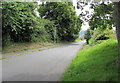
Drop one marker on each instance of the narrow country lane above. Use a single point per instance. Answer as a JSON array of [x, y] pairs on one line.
[[47, 65]]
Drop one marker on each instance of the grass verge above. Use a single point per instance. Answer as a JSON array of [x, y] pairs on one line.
[[18, 47], [97, 63], [1, 58], [77, 40]]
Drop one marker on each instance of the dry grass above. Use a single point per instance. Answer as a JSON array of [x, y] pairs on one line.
[[18, 47]]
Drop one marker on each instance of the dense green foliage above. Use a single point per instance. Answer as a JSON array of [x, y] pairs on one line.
[[18, 21], [98, 36], [102, 17], [87, 35], [101, 24], [99, 61], [95, 64], [20, 24], [43, 30], [63, 14]]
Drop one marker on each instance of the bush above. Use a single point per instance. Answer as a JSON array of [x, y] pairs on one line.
[[43, 30], [99, 36], [88, 35]]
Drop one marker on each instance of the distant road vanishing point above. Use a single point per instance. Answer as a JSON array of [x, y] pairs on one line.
[[47, 65]]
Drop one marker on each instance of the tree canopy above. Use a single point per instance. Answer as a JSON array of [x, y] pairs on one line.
[[57, 21], [102, 17], [102, 23], [20, 23], [63, 14]]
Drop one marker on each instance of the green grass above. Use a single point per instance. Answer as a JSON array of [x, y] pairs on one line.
[[78, 39], [1, 58], [97, 63]]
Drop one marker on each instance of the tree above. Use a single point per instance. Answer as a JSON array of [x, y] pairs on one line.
[[21, 24], [117, 21], [102, 22], [18, 21], [102, 17], [43, 30], [87, 35], [63, 14]]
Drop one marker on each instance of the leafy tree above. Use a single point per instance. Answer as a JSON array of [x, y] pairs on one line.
[[18, 21], [63, 14], [102, 17], [102, 22], [20, 24], [44, 30], [87, 35]]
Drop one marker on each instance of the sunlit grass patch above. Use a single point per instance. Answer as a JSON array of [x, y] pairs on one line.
[[77, 40], [97, 63], [1, 58]]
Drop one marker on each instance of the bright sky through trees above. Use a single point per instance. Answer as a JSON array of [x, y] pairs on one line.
[[85, 26]]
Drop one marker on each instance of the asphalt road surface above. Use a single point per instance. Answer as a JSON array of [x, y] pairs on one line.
[[47, 65]]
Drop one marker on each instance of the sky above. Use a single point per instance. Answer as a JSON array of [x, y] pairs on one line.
[[85, 26]]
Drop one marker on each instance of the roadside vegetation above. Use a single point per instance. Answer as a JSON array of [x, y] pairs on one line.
[[22, 26], [97, 63], [20, 47], [79, 39], [25, 25], [98, 59]]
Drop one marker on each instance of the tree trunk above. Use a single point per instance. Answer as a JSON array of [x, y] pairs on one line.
[[117, 21]]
